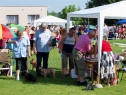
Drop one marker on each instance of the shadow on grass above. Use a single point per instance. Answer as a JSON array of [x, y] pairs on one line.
[[7, 77], [50, 80]]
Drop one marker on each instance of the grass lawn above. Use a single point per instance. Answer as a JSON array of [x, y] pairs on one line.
[[58, 86]]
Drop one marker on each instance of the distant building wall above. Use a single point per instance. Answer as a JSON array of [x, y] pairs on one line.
[[22, 12]]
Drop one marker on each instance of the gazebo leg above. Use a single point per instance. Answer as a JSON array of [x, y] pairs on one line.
[[10, 70]]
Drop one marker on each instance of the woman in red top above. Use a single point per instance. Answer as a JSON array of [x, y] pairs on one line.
[[107, 60]]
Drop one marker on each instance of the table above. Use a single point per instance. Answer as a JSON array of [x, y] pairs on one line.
[[92, 63]]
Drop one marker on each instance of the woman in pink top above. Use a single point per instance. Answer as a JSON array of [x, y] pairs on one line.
[[58, 37]]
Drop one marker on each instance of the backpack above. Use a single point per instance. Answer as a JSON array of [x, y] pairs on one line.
[[5, 72]]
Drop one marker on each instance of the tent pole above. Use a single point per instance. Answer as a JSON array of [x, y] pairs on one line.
[[68, 22], [100, 37]]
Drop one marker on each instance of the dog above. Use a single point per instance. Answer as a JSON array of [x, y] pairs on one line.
[[29, 77], [47, 71], [34, 63]]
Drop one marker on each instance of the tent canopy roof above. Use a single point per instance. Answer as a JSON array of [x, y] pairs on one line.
[[51, 19], [110, 11], [121, 21]]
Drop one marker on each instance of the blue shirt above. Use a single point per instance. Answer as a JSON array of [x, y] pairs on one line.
[[20, 49], [87, 30], [42, 40]]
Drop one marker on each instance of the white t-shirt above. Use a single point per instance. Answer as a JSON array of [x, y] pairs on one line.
[[25, 35], [105, 30]]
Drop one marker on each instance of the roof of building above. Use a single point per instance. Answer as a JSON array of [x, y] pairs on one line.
[[23, 6]]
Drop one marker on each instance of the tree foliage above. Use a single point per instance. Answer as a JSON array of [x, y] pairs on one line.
[[53, 13], [95, 3], [71, 8]]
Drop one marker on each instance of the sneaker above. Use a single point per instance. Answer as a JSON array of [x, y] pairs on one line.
[[17, 79], [78, 83], [83, 83]]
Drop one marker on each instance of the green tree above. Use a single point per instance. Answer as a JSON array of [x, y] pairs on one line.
[[53, 13], [71, 8], [95, 3], [63, 13]]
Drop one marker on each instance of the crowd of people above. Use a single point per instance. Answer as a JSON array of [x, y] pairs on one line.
[[115, 31], [74, 44]]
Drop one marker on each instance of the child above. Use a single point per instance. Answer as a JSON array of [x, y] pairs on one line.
[[92, 55], [92, 51]]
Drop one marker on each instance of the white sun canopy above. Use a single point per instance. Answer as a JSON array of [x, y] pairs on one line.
[[110, 11], [51, 20]]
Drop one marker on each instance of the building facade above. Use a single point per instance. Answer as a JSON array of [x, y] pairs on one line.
[[23, 15]]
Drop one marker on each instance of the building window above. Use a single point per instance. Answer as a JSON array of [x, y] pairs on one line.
[[12, 19], [31, 18]]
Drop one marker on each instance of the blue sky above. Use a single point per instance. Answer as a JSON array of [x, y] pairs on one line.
[[56, 5]]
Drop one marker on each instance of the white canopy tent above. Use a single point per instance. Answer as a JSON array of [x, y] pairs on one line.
[[51, 20], [110, 11]]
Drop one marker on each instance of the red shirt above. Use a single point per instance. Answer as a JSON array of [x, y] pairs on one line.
[[106, 46], [31, 36]]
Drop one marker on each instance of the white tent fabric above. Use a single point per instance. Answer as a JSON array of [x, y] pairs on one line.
[[110, 11], [51, 20]]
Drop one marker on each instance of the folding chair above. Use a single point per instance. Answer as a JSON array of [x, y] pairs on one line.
[[116, 65], [5, 58], [123, 69]]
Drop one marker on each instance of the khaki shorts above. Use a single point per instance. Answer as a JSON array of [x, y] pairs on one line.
[[79, 62]]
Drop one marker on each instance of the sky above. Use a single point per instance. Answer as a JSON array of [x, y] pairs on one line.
[[56, 5]]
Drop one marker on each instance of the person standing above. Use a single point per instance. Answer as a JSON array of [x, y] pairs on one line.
[[66, 46], [82, 47], [32, 32], [107, 61], [21, 49], [80, 31], [105, 32], [42, 42]]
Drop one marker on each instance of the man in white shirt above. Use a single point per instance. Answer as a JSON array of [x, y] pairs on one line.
[[105, 32]]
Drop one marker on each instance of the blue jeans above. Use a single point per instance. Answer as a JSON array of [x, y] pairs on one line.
[[39, 56]]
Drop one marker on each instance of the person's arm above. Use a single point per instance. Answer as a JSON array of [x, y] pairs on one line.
[[61, 42], [50, 39], [29, 52], [12, 41], [34, 44], [34, 47], [76, 38]]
